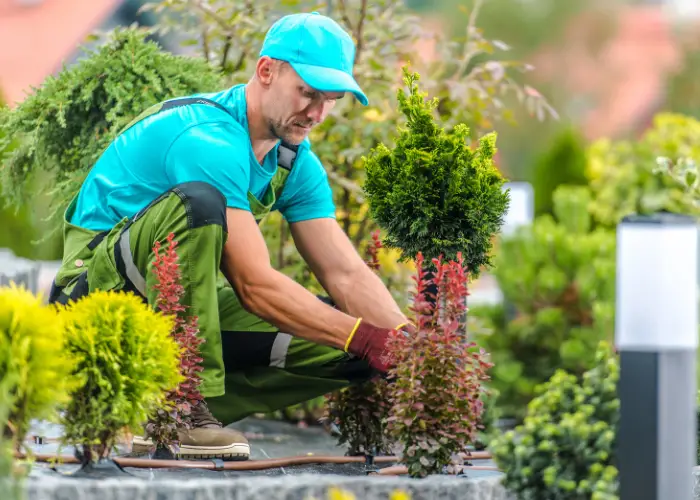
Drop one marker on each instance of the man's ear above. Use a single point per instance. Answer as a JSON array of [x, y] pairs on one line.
[[265, 70]]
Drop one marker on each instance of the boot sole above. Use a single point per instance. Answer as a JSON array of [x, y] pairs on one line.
[[235, 451]]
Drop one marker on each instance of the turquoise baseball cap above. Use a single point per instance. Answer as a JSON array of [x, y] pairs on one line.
[[318, 48]]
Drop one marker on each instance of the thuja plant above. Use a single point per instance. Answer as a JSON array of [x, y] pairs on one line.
[[63, 126], [126, 361], [35, 371], [176, 412], [437, 375], [432, 192], [360, 410]]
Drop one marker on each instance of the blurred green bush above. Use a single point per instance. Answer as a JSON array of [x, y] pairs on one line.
[[557, 278], [65, 124], [563, 163], [622, 173], [566, 446]]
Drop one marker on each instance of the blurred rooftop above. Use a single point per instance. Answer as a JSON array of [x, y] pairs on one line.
[[617, 85], [37, 36]]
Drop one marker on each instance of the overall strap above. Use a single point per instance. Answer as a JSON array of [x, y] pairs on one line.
[[286, 153]]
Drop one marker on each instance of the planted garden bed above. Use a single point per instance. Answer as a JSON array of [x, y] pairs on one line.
[[268, 439]]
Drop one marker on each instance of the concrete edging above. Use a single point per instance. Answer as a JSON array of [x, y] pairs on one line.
[[292, 487]]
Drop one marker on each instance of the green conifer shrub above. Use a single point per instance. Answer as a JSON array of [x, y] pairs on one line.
[[126, 362], [35, 371], [432, 192], [566, 446], [555, 276], [66, 123], [35, 378]]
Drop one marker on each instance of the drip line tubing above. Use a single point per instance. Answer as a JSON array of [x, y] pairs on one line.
[[218, 464], [398, 470]]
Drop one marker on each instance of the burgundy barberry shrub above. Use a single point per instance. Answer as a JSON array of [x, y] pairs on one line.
[[359, 411], [437, 375], [162, 428]]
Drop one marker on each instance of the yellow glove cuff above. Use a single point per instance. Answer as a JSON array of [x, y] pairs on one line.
[[352, 333]]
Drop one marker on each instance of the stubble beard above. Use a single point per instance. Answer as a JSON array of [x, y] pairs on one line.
[[284, 133]]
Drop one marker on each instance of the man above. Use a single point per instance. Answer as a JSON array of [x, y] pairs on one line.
[[208, 168]]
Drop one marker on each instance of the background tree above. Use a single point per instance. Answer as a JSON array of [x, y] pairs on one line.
[[387, 34]]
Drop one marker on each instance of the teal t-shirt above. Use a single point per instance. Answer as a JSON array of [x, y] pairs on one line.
[[196, 143]]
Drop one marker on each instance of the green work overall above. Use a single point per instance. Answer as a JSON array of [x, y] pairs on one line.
[[249, 365]]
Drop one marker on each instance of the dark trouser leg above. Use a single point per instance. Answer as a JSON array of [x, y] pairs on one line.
[[267, 370]]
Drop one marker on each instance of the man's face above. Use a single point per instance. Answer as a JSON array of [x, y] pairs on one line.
[[292, 108]]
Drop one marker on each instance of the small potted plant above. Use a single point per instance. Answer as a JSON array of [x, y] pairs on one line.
[[436, 393], [126, 361], [440, 201]]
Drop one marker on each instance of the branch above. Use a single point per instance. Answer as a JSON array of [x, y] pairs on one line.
[[240, 62], [226, 49], [359, 32], [205, 44], [348, 185], [471, 25], [344, 15], [202, 6]]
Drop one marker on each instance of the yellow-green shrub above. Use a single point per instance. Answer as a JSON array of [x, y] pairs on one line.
[[126, 362], [34, 370], [623, 174]]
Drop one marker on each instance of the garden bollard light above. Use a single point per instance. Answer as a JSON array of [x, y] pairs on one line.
[[656, 333], [521, 210]]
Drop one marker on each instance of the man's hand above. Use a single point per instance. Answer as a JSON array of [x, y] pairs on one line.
[[368, 342]]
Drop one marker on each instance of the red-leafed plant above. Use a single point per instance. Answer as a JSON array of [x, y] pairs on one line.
[[162, 429], [360, 410], [437, 375]]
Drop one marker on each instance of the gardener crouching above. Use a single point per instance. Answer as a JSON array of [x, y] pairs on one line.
[[208, 168]]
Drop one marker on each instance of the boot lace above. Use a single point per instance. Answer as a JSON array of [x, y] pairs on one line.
[[202, 417]]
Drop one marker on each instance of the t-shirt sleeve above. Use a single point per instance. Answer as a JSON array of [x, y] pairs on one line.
[[215, 153], [307, 194]]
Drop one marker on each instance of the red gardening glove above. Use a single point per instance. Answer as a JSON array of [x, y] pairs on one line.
[[369, 343]]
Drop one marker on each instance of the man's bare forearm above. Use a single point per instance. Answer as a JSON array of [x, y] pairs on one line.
[[289, 306], [363, 294]]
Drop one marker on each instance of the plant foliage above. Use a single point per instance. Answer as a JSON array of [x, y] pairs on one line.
[[564, 163], [437, 375], [126, 362], [623, 174], [387, 34], [35, 372], [558, 299], [66, 123], [566, 446], [432, 192], [176, 413], [360, 410]]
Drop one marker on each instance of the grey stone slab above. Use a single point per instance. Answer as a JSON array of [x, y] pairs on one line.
[[301, 487]]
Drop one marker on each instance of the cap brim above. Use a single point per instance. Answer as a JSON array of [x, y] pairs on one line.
[[329, 80]]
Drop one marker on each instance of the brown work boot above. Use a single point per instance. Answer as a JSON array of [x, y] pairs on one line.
[[206, 439]]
